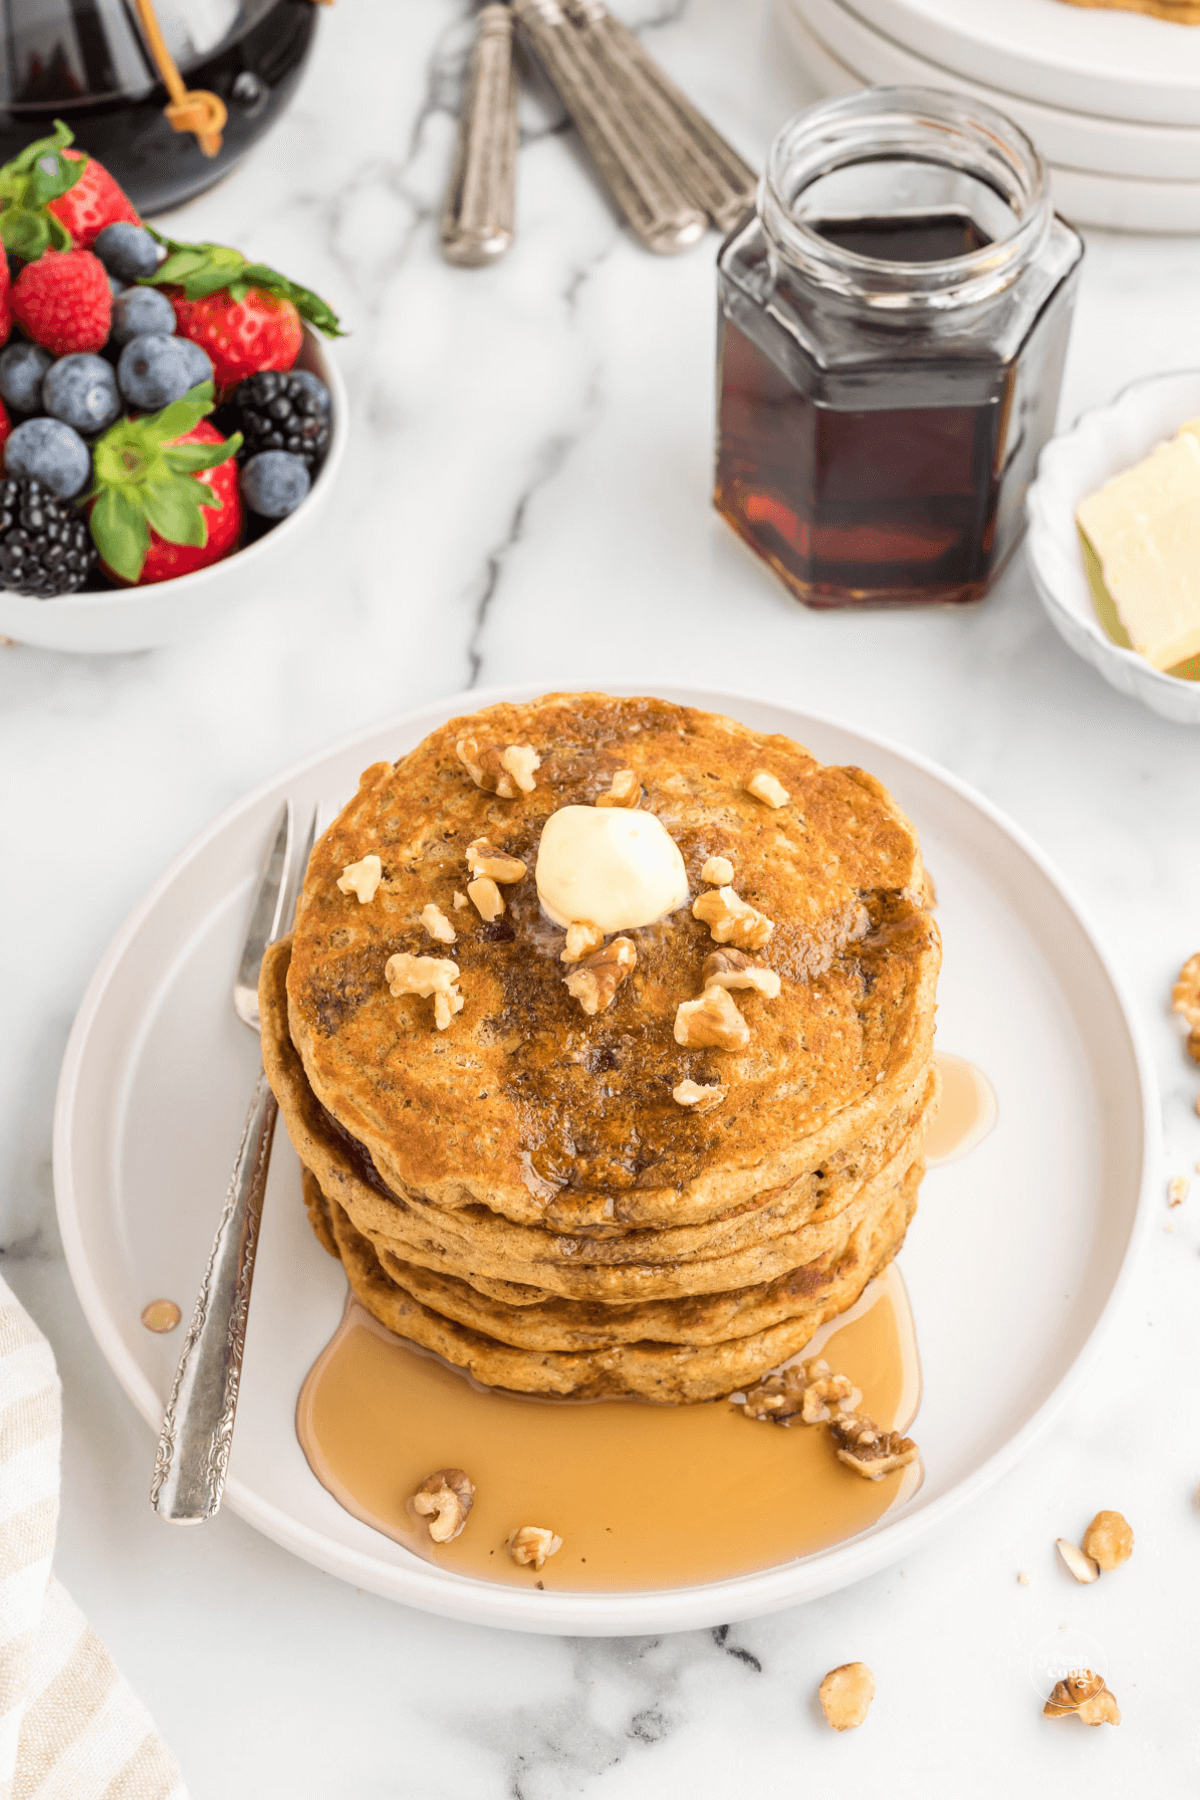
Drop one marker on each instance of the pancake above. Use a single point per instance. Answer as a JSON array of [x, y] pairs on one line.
[[549, 1118]]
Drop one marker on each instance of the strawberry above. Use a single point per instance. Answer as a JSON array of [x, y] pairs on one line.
[[245, 316], [63, 301], [93, 202], [164, 494], [5, 427], [5, 300]]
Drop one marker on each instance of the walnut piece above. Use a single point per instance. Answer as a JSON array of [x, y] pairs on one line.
[[362, 878], [626, 790], [1108, 1540], [700, 1098], [711, 1022], [718, 870], [437, 924], [460, 900], [486, 897], [582, 938], [821, 1397], [846, 1694], [1177, 1190], [1083, 1693], [1185, 1000], [765, 787], [531, 1545], [444, 1498], [732, 920], [426, 975], [1082, 1567], [596, 979], [734, 969], [781, 1396], [499, 772], [484, 859], [863, 1447]]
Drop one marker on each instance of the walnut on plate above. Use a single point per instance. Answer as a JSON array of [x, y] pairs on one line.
[[595, 980], [362, 878], [734, 969], [846, 1695], [499, 771], [781, 1396], [1082, 1567], [582, 938], [863, 1447], [531, 1545], [821, 1397], [625, 790], [444, 1498], [437, 924], [732, 920], [425, 976], [484, 859], [1083, 1694], [712, 1022], [1108, 1540], [697, 1096]]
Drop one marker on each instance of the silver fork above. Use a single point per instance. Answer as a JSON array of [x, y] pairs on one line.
[[192, 1459]]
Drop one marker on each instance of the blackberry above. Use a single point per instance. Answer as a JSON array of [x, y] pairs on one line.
[[45, 545], [284, 412]]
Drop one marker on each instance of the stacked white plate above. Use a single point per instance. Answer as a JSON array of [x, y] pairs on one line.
[[1111, 99]]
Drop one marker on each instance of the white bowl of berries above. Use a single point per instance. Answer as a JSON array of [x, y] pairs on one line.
[[171, 420]]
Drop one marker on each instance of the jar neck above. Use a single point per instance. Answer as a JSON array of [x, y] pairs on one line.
[[892, 154]]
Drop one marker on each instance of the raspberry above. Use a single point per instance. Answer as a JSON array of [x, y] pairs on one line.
[[63, 302]]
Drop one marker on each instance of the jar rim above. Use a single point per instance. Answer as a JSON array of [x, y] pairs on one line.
[[918, 122]]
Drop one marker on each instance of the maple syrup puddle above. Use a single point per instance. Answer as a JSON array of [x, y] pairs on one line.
[[643, 1496]]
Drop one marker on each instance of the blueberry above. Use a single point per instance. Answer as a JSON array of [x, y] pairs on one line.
[[274, 483], [196, 362], [315, 386], [126, 251], [115, 287], [139, 312], [153, 371], [82, 392], [50, 452], [22, 367]]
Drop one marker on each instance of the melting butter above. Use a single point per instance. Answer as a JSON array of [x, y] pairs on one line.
[[610, 866]]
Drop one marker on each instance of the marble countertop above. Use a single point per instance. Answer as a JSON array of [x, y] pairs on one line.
[[526, 497]]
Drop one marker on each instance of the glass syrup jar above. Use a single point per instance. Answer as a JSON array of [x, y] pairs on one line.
[[893, 324]]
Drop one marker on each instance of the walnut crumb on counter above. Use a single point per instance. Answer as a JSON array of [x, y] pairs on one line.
[[1108, 1540], [846, 1695], [444, 1498], [1177, 1190], [1083, 1694], [362, 878], [1081, 1567]]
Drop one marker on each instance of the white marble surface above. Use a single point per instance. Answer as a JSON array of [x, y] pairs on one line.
[[527, 497]]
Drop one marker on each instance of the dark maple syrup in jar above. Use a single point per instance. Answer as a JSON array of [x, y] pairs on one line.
[[889, 373]]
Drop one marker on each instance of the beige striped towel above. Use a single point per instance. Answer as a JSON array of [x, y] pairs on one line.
[[71, 1727]]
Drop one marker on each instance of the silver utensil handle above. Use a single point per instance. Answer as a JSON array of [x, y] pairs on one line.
[[706, 164], [657, 208], [478, 220], [192, 1459]]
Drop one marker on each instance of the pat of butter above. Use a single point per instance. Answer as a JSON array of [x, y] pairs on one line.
[[1144, 528], [612, 867]]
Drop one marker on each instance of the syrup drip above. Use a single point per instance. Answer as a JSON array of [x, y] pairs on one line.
[[967, 1113]]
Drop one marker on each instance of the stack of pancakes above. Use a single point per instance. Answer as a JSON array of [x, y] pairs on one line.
[[521, 1192]]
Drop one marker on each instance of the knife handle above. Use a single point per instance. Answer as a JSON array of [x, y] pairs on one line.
[[706, 165], [192, 1458], [657, 208], [478, 219]]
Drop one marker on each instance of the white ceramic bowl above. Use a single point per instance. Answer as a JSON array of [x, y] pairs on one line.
[[1074, 465], [141, 618]]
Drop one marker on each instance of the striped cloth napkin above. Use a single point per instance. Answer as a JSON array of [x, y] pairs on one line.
[[71, 1727]]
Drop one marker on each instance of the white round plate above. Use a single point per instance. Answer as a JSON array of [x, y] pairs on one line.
[[1114, 64], [1114, 202], [158, 1072], [1073, 465]]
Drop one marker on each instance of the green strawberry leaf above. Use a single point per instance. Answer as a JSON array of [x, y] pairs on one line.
[[186, 458], [204, 269], [39, 174], [182, 416], [173, 509], [120, 532], [143, 480]]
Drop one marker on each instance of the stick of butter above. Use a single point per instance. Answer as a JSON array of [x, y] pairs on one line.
[[1144, 530]]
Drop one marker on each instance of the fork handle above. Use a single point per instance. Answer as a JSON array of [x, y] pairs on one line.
[[192, 1459], [477, 223]]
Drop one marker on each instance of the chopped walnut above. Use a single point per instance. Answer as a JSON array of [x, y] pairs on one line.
[[437, 924], [732, 920], [1177, 1190], [582, 938], [711, 1022], [531, 1545], [700, 1098], [444, 1498], [486, 897], [362, 878], [1083, 1693], [596, 979], [426, 975], [1108, 1540], [820, 1398], [484, 859], [765, 787], [460, 900], [846, 1694], [1185, 1000], [1082, 1567], [718, 870], [781, 1396], [863, 1447], [626, 790], [499, 772], [734, 969]]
